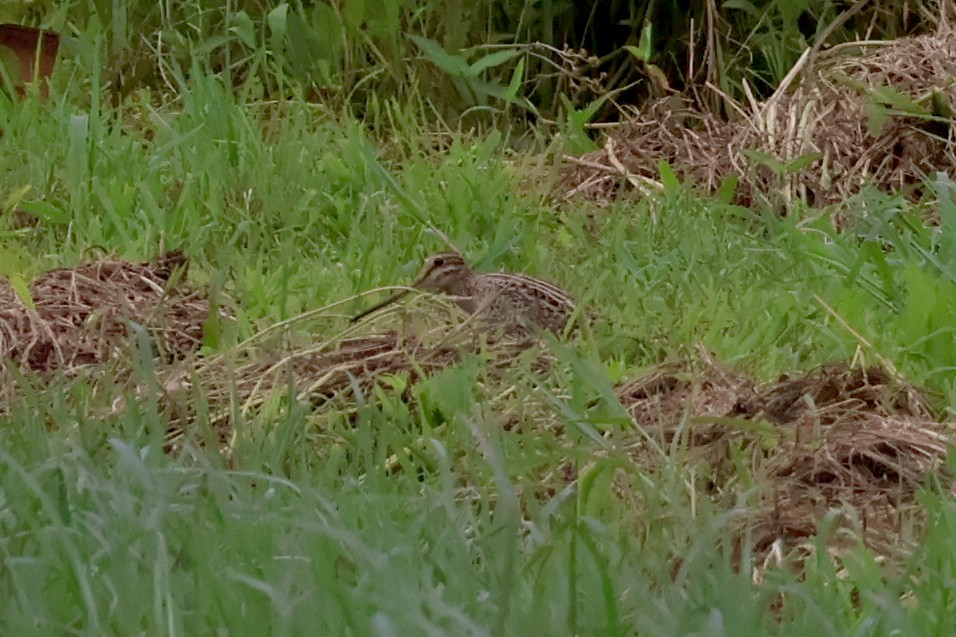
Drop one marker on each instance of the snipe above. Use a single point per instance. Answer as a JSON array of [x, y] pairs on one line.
[[515, 301]]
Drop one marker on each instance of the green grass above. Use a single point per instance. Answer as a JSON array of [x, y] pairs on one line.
[[429, 518]]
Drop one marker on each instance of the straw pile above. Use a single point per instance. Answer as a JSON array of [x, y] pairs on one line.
[[343, 371], [81, 316], [875, 113], [849, 444]]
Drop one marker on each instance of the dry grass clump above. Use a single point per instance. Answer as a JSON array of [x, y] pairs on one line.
[[83, 316], [835, 390], [848, 445], [862, 113], [661, 398], [343, 371], [859, 446], [864, 469], [697, 404]]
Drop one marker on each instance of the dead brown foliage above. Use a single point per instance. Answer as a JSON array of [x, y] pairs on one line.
[[849, 445], [83, 316], [864, 113]]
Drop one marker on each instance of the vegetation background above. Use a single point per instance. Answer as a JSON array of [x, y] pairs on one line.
[[299, 152]]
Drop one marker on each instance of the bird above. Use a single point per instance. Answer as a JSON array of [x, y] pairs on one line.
[[517, 302]]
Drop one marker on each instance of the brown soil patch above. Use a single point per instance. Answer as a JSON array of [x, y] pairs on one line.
[[877, 113], [83, 316], [841, 448]]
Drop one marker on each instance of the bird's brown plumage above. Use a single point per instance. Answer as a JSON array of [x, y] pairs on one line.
[[516, 301]]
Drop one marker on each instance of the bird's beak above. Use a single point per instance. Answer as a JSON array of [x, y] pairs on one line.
[[395, 297]]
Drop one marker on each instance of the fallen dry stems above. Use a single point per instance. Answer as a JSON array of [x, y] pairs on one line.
[[874, 114], [851, 445]]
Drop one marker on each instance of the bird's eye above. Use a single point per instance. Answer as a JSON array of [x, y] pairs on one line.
[[439, 262]]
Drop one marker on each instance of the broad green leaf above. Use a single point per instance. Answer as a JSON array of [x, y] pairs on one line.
[[741, 5], [448, 62], [516, 78], [385, 19], [635, 51], [211, 44], [78, 154], [596, 480], [13, 200], [876, 117], [409, 205], [946, 194], [490, 89], [301, 53], [22, 289], [589, 111], [727, 190], [46, 211], [490, 61], [764, 159], [325, 28], [277, 21], [355, 12], [790, 12], [669, 178], [243, 27], [11, 261], [847, 80], [894, 98], [797, 164], [643, 50], [212, 326], [573, 125], [920, 302], [79, 129], [397, 382], [940, 106]]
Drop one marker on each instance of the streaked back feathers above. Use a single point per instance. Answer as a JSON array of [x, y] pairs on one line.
[[516, 301]]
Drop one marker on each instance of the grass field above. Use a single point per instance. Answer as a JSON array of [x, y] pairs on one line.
[[431, 517]]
